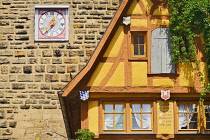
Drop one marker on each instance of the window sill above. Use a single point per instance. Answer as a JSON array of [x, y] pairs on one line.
[[138, 59], [165, 74], [120, 133]]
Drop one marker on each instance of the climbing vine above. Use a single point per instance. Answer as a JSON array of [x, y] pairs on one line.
[[189, 19]]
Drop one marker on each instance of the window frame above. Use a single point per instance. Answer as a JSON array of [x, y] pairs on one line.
[[131, 56], [178, 130], [151, 119], [127, 117], [103, 118], [207, 103]]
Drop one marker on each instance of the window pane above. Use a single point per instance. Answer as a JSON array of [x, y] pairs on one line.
[[193, 121], [119, 121], [136, 121], [207, 116], [141, 39], [146, 107], [119, 107], [146, 118], [182, 121], [136, 48], [182, 108], [108, 108], [141, 49], [135, 107], [192, 108], [108, 121], [136, 39]]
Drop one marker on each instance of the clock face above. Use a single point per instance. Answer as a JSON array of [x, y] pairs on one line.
[[51, 23]]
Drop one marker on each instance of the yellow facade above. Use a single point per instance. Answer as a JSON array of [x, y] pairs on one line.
[[92, 116]]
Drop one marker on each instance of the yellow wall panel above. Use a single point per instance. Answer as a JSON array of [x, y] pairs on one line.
[[117, 79], [147, 4], [139, 74], [163, 83], [134, 9], [203, 69], [99, 74], [159, 22], [186, 77], [161, 11], [138, 23], [115, 44], [93, 116]]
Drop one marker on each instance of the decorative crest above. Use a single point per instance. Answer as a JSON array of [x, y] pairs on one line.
[[84, 95], [126, 20], [165, 94]]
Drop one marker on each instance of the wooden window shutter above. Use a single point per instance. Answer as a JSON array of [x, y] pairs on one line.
[[161, 52]]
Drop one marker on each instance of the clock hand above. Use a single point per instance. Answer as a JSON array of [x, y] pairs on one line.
[[52, 23]]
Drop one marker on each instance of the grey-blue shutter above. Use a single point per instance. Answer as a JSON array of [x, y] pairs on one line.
[[161, 52]]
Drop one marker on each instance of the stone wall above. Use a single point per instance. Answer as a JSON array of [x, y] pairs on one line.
[[31, 73]]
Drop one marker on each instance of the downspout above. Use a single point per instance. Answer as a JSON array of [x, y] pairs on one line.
[[64, 113]]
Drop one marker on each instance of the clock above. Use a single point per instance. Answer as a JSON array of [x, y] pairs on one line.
[[51, 23]]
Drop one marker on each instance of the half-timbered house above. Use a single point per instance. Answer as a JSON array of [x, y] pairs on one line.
[[130, 89]]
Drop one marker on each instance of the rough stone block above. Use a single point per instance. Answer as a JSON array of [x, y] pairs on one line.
[[32, 86], [6, 53], [17, 101], [4, 69], [38, 78], [4, 101], [61, 69], [37, 96], [45, 87], [25, 78], [71, 60], [50, 107], [58, 86], [18, 86], [40, 68], [57, 61], [33, 61], [24, 106], [19, 53], [12, 124], [16, 69], [30, 101], [21, 96], [72, 68], [12, 78], [3, 78], [45, 60], [27, 69], [36, 106], [19, 61], [44, 101], [51, 69], [65, 78], [47, 53], [4, 45], [4, 61], [31, 53], [3, 124]]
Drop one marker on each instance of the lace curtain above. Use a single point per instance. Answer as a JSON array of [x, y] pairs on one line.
[[183, 116], [114, 121], [136, 118]]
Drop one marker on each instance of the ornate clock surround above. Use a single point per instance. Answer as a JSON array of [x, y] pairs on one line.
[[51, 23]]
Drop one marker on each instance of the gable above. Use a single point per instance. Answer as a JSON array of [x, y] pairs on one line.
[[125, 63]]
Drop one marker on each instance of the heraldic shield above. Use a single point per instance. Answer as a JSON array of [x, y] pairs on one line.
[[165, 94]]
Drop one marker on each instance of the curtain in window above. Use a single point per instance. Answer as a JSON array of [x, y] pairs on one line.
[[146, 117], [208, 109], [119, 117], [182, 116], [136, 116], [193, 116], [108, 121]]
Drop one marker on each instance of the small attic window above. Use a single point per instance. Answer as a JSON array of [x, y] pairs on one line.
[[138, 45]]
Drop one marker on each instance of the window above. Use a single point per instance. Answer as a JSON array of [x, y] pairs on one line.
[[138, 48], [207, 110], [161, 52], [187, 116], [141, 116], [127, 117], [114, 116]]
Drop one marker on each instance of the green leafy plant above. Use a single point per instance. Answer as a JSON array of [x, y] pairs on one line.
[[84, 134], [189, 19]]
